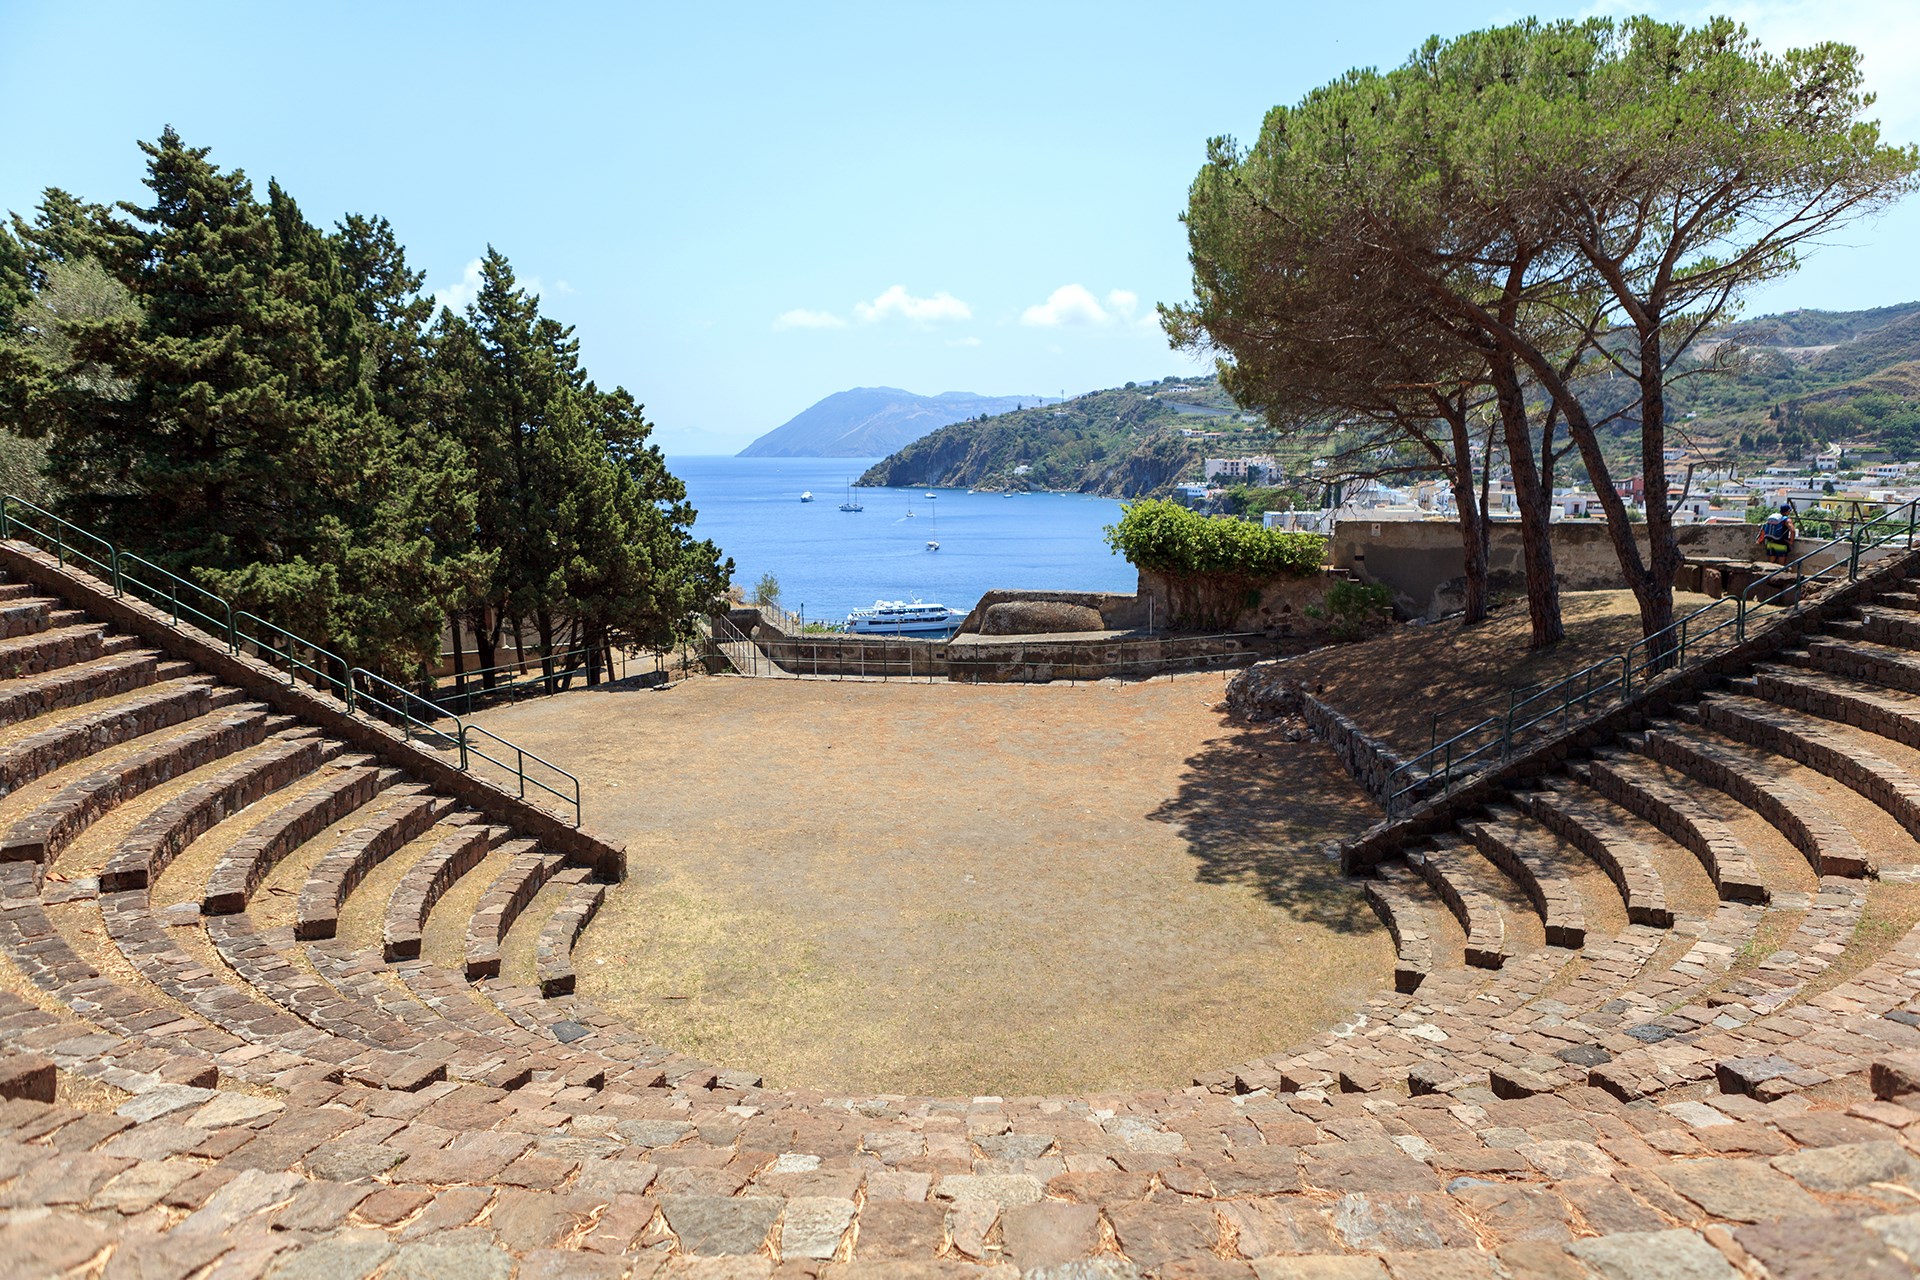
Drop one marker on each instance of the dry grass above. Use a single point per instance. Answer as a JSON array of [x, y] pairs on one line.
[[1393, 685], [963, 889]]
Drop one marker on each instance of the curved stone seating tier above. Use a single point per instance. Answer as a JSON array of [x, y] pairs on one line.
[[1763, 787], [44, 833], [553, 952], [1884, 665], [1527, 855], [1587, 826], [1393, 899], [358, 851], [247, 861], [1449, 871], [30, 752], [161, 836], [53, 650], [76, 685], [420, 888], [501, 905], [1640, 791]]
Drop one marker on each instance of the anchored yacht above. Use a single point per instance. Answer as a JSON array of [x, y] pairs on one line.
[[901, 618]]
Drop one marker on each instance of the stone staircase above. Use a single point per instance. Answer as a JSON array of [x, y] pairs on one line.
[[277, 1002]]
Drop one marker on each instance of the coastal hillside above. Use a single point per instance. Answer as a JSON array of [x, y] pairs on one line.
[[869, 421], [1769, 386], [1129, 442]]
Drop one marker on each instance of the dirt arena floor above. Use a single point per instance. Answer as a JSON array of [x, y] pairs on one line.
[[963, 889]]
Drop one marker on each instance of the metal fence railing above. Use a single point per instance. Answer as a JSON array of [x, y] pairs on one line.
[[1538, 711], [301, 661]]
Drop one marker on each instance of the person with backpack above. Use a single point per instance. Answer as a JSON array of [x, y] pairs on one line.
[[1777, 535]]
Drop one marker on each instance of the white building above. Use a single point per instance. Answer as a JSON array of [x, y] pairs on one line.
[[1268, 468]]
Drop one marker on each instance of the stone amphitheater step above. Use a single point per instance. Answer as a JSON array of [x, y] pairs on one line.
[[1895, 627], [1581, 818], [265, 959], [1394, 899], [1846, 755], [1529, 856], [25, 697], [1450, 870], [1877, 664], [1686, 1046], [247, 861], [501, 905], [53, 650], [413, 899], [28, 615], [1762, 785], [1621, 778], [553, 948], [344, 866], [34, 748], [164, 833], [46, 831]]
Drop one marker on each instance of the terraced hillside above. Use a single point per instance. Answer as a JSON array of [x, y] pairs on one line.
[[1660, 1019]]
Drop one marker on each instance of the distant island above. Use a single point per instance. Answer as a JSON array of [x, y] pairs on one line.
[[867, 422], [1128, 442]]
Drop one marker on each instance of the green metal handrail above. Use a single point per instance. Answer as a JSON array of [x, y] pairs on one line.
[[240, 631], [1445, 763]]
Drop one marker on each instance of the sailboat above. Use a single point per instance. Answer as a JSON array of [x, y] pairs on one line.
[[850, 504], [934, 516]]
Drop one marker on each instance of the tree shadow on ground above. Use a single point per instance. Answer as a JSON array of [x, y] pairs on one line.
[[1257, 809]]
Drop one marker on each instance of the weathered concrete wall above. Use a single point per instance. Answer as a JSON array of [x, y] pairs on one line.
[[1422, 562]]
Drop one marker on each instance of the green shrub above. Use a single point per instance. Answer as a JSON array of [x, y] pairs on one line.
[[1165, 537], [1214, 566]]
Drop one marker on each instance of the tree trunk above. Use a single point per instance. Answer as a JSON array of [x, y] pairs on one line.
[[1473, 527], [1654, 590], [459, 664], [486, 646], [1543, 585]]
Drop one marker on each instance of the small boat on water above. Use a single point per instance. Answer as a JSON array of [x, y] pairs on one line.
[[901, 618], [806, 495], [852, 503]]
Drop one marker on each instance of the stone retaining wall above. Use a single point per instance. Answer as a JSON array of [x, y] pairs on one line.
[[1369, 760]]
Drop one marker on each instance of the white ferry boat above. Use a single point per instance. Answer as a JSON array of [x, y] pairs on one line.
[[900, 618]]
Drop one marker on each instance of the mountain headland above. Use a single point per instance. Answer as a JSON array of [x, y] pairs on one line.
[[1761, 389], [866, 422]]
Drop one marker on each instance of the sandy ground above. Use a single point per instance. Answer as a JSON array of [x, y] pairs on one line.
[[959, 889]]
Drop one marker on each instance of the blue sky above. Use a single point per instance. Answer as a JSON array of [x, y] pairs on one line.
[[746, 208]]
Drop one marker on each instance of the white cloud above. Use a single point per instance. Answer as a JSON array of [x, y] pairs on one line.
[[801, 318], [455, 297], [1075, 304], [896, 301], [458, 296]]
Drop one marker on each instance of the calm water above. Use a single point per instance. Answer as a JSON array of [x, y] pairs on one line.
[[831, 561]]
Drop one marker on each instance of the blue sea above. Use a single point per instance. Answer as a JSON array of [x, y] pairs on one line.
[[831, 561]]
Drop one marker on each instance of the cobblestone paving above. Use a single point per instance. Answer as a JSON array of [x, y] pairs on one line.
[[1687, 1098]]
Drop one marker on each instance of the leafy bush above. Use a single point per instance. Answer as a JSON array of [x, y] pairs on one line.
[[1165, 537], [1350, 606], [1214, 566], [767, 590]]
